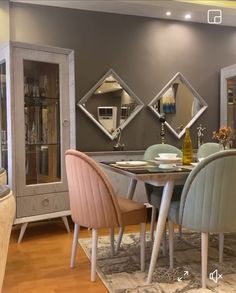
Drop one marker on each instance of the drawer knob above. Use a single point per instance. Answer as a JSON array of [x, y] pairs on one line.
[[45, 202], [66, 122]]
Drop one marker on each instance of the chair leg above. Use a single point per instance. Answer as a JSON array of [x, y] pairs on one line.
[[204, 258], [221, 247], [153, 221], [142, 245], [121, 232], [74, 245], [94, 254], [112, 241], [171, 243], [164, 242]]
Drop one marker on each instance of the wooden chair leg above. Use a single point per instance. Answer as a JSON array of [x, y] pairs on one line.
[[121, 232], [74, 245], [94, 254], [112, 241], [204, 258], [221, 247], [142, 245], [171, 243], [153, 221]]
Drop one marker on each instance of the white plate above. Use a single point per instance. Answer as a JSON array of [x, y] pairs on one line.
[[167, 166], [168, 161], [131, 163]]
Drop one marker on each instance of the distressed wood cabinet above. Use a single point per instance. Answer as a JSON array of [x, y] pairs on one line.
[[228, 100], [37, 126]]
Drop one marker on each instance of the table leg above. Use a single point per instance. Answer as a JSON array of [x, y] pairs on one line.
[[131, 190], [163, 213]]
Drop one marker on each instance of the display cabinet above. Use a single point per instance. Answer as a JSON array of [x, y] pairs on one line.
[[37, 126], [228, 100]]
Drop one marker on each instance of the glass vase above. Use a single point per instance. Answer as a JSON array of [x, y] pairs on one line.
[[224, 144]]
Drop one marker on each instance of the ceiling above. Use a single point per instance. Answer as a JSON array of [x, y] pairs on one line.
[[156, 9]]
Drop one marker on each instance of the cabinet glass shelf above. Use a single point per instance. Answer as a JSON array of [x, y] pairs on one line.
[[40, 101], [42, 144]]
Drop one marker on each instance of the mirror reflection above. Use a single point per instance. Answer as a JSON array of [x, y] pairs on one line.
[[180, 103], [111, 104]]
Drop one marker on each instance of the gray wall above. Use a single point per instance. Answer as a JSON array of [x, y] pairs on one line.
[[144, 52]]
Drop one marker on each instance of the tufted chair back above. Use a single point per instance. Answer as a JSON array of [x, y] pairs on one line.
[[208, 200], [208, 149], [154, 193], [153, 151], [92, 199]]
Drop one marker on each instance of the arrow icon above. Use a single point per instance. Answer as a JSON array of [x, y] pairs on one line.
[[186, 273]]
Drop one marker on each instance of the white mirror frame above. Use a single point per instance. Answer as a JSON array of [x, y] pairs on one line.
[[189, 86], [125, 87]]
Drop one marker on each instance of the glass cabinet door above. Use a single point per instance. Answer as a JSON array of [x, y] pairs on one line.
[[231, 107], [3, 115], [42, 122]]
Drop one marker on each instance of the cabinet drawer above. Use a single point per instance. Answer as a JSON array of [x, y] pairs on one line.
[[42, 204]]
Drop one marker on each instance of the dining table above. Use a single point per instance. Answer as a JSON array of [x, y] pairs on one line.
[[155, 174]]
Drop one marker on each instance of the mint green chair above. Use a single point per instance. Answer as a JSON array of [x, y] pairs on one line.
[[154, 193], [208, 149], [208, 202], [204, 151]]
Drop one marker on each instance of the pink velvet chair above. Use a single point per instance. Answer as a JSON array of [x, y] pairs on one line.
[[94, 204]]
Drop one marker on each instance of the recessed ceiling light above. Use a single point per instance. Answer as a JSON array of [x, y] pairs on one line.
[[187, 16], [168, 13]]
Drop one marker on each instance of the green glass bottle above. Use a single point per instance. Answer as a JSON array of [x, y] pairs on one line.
[[187, 148]]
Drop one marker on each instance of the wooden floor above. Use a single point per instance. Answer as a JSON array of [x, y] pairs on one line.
[[40, 264]]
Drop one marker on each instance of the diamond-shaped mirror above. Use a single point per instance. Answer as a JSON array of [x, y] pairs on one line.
[[180, 103], [110, 104]]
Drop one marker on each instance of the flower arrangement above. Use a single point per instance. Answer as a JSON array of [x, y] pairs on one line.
[[223, 135]]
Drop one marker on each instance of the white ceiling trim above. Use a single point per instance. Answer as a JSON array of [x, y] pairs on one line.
[[154, 9]]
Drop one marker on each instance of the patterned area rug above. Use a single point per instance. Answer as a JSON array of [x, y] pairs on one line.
[[121, 273]]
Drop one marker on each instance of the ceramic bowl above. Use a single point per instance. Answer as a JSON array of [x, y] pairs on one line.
[[169, 156]]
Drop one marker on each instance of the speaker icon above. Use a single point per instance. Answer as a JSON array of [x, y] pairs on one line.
[[215, 276]]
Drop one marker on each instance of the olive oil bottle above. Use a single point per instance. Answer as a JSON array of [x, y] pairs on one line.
[[187, 148]]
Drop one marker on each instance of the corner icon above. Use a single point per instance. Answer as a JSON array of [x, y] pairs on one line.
[[215, 276], [214, 16]]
